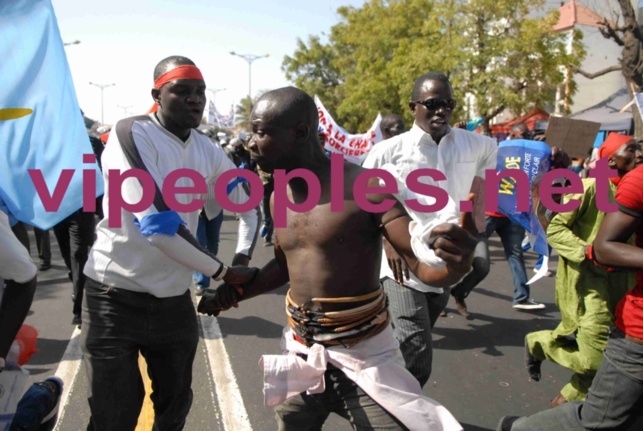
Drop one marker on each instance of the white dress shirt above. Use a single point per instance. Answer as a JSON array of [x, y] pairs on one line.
[[460, 156]]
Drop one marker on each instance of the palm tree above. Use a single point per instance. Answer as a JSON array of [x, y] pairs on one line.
[[242, 113]]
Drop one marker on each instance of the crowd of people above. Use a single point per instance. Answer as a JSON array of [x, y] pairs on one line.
[[369, 329]]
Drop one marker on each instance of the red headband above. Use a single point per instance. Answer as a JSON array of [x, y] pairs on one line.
[[186, 71]]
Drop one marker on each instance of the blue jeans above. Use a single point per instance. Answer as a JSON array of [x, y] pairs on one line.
[[511, 235], [343, 397], [413, 314], [207, 233], [268, 188], [118, 325], [614, 401]]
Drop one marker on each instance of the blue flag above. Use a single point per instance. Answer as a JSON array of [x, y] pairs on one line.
[[534, 159], [41, 125]]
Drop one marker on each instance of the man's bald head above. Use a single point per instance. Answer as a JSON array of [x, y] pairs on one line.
[[290, 106], [170, 63], [391, 125], [284, 130]]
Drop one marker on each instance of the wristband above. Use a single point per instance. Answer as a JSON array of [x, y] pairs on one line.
[[592, 258], [218, 276]]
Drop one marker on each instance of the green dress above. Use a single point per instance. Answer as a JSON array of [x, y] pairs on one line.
[[585, 294]]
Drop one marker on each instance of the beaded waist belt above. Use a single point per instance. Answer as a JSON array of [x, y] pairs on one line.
[[335, 328]]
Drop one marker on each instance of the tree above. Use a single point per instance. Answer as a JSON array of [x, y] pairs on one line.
[[312, 69], [511, 61], [242, 113], [493, 51], [625, 32]]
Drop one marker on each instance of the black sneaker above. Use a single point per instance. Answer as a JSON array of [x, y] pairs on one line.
[[38, 407], [45, 266], [528, 304], [532, 363], [506, 423]]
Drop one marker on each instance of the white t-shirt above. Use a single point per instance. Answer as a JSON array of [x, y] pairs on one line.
[[460, 156], [160, 265]]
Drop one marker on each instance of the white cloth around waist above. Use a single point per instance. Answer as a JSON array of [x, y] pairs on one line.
[[375, 365]]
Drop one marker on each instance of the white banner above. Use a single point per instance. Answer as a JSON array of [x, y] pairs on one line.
[[353, 147], [213, 118], [218, 120]]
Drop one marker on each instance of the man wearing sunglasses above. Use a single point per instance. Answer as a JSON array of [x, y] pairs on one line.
[[463, 157]]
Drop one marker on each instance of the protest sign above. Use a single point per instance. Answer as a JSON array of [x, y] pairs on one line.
[[534, 159], [353, 147], [575, 137], [41, 124]]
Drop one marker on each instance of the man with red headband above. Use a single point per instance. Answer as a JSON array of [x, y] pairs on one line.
[[614, 399], [585, 293], [137, 298]]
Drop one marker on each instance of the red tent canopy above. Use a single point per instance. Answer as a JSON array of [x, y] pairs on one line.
[[529, 119]]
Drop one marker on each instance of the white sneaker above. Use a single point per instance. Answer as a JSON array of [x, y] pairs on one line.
[[548, 274], [528, 304]]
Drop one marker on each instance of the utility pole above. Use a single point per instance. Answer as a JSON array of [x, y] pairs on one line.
[[249, 58], [214, 91], [102, 106], [125, 108]]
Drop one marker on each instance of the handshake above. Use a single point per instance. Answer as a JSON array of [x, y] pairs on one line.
[[228, 294]]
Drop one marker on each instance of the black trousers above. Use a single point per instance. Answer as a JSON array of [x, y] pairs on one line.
[[75, 236]]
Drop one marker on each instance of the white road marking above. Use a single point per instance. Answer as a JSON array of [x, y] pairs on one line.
[[231, 406], [230, 402], [68, 371]]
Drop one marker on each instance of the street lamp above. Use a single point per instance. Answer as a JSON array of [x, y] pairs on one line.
[[214, 91], [102, 106], [125, 109], [249, 58], [76, 42]]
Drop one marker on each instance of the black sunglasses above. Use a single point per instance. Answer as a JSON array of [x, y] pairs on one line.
[[435, 104]]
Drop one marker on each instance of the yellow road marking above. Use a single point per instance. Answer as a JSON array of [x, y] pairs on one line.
[[146, 418], [14, 113]]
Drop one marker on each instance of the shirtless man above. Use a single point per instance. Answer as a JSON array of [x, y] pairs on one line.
[[336, 309]]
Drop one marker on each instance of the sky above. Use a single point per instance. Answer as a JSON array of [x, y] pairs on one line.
[[121, 41]]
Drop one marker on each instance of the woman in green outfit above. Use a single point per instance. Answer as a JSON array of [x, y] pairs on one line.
[[585, 293]]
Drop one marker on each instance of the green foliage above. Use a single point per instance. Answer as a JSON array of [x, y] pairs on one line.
[[494, 52], [242, 113]]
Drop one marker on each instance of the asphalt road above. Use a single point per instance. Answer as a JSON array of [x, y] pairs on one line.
[[478, 368]]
